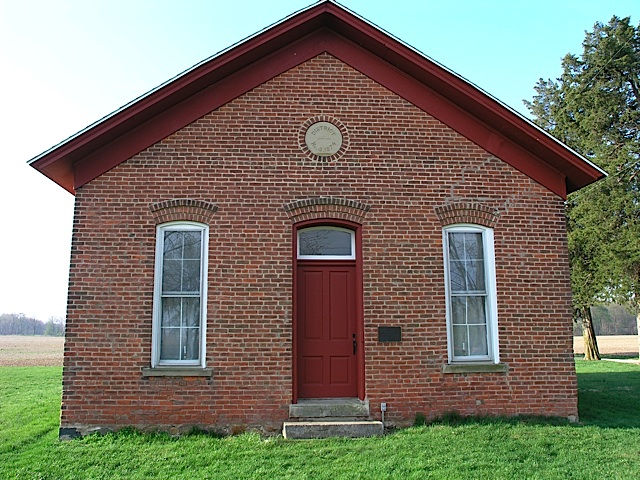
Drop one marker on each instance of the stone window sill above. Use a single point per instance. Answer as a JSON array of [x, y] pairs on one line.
[[177, 372], [475, 368]]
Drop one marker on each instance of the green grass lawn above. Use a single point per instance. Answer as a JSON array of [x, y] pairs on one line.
[[605, 445]]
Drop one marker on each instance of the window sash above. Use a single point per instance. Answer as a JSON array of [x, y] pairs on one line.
[[180, 295], [469, 326]]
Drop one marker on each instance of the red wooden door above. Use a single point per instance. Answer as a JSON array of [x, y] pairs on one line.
[[327, 365]]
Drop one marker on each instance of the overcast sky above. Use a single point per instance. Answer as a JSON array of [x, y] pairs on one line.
[[66, 63]]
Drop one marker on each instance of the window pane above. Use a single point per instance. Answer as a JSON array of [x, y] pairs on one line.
[[460, 343], [458, 310], [190, 343], [191, 311], [325, 241], [192, 245], [457, 263], [171, 312], [475, 275], [478, 340], [476, 311], [172, 245], [190, 276], [171, 275], [456, 246], [473, 246], [170, 344], [457, 276]]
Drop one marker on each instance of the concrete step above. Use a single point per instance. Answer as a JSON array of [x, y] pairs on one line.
[[321, 408], [317, 429]]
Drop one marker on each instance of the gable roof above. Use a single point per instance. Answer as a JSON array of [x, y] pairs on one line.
[[322, 27]]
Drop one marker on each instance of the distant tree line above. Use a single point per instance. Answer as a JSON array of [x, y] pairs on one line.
[[610, 320], [20, 324]]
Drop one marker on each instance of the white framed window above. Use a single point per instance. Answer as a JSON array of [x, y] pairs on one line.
[[179, 304], [326, 243], [470, 285]]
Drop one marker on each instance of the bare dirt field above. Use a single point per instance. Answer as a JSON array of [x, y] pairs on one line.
[[622, 345], [30, 351]]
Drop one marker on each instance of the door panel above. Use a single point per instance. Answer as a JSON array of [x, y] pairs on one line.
[[312, 317], [339, 314], [327, 365], [312, 368], [340, 370]]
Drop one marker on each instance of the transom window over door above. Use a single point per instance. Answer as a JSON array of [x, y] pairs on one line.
[[326, 243], [179, 302], [471, 294]]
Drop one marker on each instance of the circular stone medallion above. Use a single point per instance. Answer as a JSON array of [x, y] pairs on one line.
[[323, 139]]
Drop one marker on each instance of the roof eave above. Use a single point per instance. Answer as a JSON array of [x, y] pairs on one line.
[[58, 162]]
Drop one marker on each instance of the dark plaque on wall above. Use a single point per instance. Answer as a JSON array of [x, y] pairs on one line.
[[389, 334]]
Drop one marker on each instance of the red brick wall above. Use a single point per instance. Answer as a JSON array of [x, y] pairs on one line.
[[245, 159]]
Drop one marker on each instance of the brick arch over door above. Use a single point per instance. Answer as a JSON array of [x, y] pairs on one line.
[[315, 208]]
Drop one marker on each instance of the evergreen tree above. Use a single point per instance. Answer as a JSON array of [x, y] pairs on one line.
[[593, 107]]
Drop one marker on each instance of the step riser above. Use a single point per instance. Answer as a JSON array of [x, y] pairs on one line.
[[329, 419], [310, 430], [329, 409]]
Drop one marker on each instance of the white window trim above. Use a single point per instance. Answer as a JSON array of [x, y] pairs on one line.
[[157, 294], [490, 283], [327, 257]]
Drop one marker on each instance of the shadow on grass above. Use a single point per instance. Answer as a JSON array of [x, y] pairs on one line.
[[594, 411], [455, 419], [610, 399], [633, 357]]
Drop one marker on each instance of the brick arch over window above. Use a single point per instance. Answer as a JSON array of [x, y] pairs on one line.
[[183, 209], [326, 207], [467, 212]]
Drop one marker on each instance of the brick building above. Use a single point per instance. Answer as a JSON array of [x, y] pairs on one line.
[[317, 213]]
